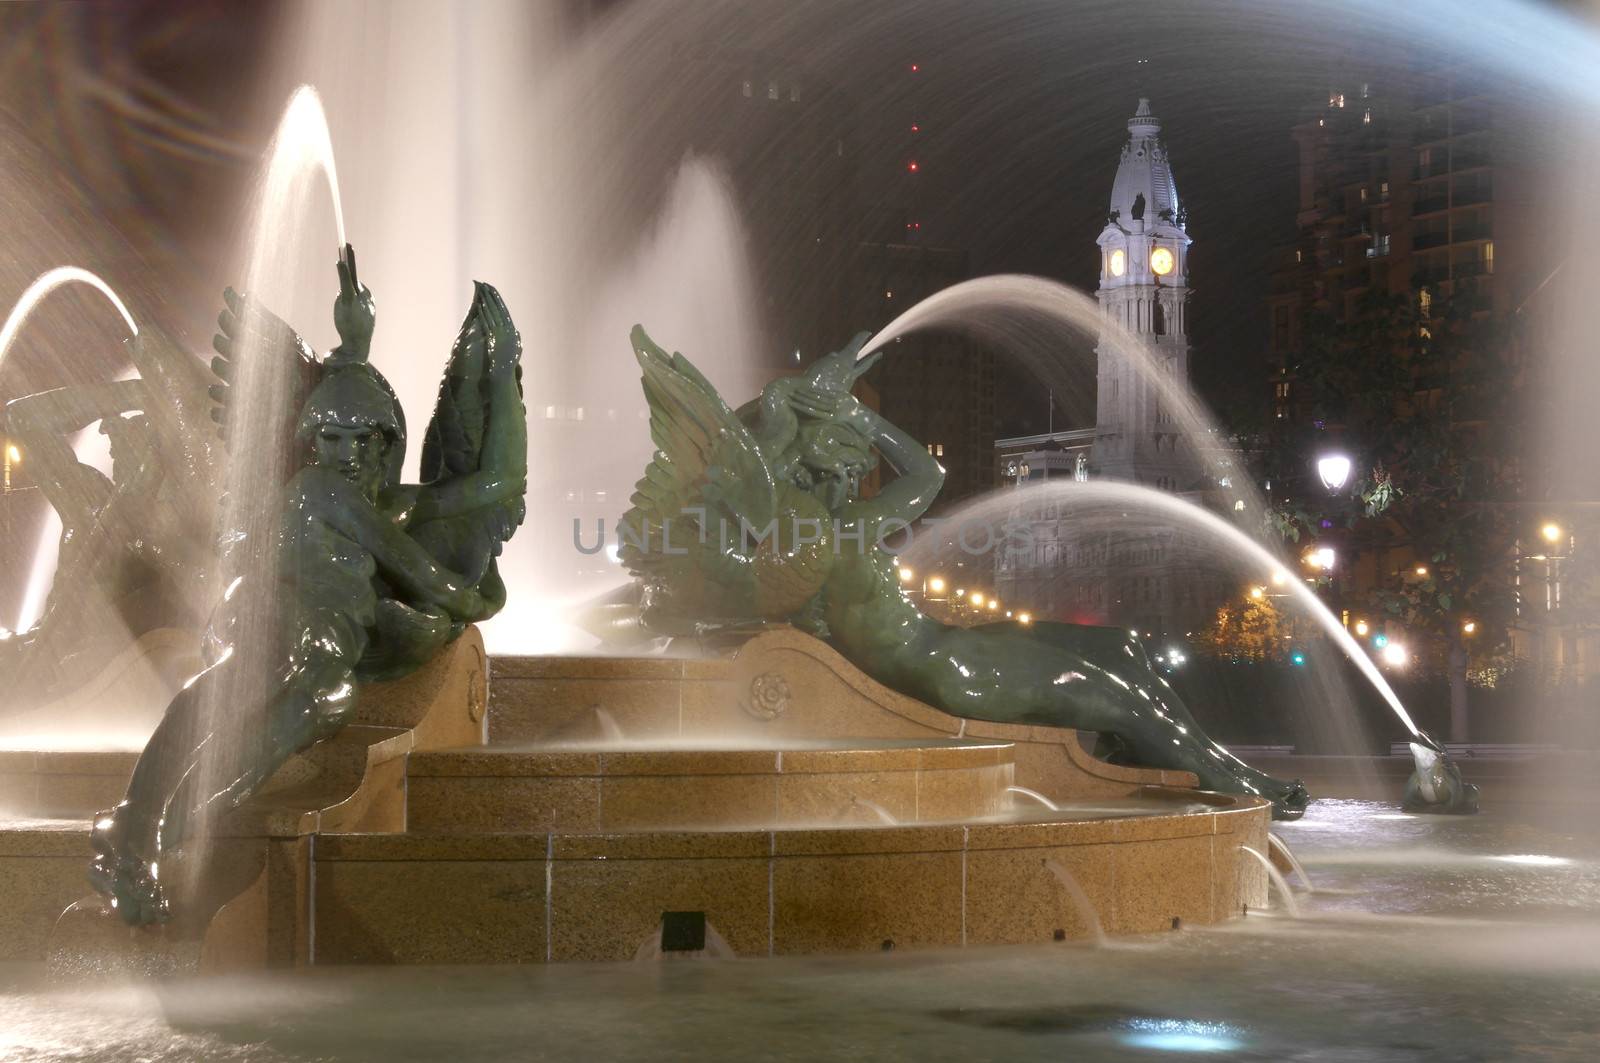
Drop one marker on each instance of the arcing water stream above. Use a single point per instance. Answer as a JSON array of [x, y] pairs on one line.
[[44, 555]]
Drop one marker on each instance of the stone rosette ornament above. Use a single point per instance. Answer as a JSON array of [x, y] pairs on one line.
[[768, 697]]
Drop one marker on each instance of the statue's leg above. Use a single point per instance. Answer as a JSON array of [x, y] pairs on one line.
[[1149, 721], [125, 839], [404, 639], [192, 770]]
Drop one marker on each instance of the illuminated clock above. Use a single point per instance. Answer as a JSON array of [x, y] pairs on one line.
[[1161, 261], [1119, 262]]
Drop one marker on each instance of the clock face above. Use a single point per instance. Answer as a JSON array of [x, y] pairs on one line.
[[1119, 262], [1161, 261]]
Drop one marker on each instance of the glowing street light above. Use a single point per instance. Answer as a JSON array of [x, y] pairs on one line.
[[1551, 532], [936, 585], [906, 575], [1470, 627], [1024, 618], [1361, 627], [1421, 570], [1396, 655], [1334, 470], [994, 604], [977, 597], [1258, 593], [13, 455], [1322, 557]]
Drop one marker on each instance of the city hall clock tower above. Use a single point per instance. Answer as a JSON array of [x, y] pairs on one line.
[[1144, 285]]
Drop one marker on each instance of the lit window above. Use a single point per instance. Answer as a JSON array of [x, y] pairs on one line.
[[1488, 257], [1366, 116], [1363, 193], [1383, 190], [1424, 301], [1366, 89], [747, 88], [1335, 99]]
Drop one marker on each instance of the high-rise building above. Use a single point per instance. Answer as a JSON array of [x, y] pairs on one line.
[[939, 386], [1427, 181], [1421, 184]]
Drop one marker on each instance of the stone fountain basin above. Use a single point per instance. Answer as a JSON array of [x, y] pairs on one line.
[[697, 785]]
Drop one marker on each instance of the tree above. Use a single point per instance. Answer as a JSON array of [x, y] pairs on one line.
[[1428, 406], [1252, 630]]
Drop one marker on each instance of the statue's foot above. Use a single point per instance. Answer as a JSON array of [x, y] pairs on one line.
[[125, 880], [1289, 800], [1289, 797]]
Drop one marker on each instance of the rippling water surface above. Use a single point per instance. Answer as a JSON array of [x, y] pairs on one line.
[[1427, 939]]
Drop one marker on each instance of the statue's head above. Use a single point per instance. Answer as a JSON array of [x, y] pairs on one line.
[[353, 425], [829, 457], [130, 444]]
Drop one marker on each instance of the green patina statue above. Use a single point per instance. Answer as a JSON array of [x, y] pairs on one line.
[[1436, 786], [364, 577], [757, 516], [130, 541]]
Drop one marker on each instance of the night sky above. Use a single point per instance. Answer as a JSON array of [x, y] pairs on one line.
[[1025, 104]]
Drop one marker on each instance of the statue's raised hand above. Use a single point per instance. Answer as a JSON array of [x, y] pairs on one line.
[[503, 341], [354, 313]]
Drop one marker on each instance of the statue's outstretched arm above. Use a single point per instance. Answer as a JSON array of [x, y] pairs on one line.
[[339, 504], [44, 424], [910, 494]]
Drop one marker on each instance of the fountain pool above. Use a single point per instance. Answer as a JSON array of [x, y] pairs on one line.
[[1422, 943]]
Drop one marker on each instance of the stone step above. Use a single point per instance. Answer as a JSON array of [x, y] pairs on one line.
[[668, 787]]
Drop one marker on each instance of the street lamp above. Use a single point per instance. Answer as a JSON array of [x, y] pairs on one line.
[[1334, 470], [1551, 532], [1322, 557], [906, 575]]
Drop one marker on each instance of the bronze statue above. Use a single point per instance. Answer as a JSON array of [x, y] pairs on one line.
[[749, 518], [369, 577], [136, 547]]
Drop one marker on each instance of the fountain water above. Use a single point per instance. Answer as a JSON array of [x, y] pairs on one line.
[[1108, 503], [507, 126], [1080, 901], [44, 555], [609, 730], [1281, 847], [1034, 795], [1276, 876], [882, 814]]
